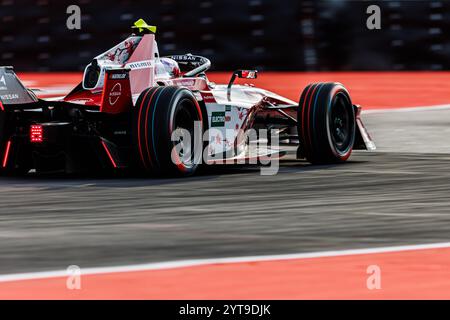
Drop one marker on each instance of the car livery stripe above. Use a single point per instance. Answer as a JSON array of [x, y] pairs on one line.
[[139, 128], [5, 158], [153, 125], [108, 153], [146, 125]]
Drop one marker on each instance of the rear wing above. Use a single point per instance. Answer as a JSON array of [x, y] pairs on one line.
[[114, 82], [137, 54], [12, 90]]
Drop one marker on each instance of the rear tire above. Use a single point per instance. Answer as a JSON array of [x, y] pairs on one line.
[[158, 113], [327, 123]]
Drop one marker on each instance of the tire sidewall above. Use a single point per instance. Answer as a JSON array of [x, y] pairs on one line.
[[175, 105], [316, 104], [337, 89]]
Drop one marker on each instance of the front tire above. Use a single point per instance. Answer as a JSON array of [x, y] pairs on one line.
[[158, 113], [327, 123]]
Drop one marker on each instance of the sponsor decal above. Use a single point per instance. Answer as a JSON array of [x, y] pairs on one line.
[[139, 65], [9, 97], [208, 98], [184, 58], [118, 76], [115, 94], [218, 119], [227, 108], [185, 83]]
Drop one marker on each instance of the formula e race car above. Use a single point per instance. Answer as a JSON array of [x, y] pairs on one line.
[[135, 109]]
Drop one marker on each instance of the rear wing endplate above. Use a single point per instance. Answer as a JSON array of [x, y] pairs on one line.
[[12, 90]]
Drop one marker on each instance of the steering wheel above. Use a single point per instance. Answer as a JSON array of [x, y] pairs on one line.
[[196, 64]]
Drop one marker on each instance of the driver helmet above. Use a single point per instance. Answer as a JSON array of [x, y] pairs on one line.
[[171, 67]]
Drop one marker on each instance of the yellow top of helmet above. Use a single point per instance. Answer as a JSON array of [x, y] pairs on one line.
[[142, 26]]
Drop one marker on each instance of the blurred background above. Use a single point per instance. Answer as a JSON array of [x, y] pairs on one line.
[[265, 34]]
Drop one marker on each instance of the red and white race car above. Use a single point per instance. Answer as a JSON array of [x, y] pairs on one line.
[[136, 109]]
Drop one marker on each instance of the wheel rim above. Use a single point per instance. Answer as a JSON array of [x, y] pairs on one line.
[[185, 116], [342, 124]]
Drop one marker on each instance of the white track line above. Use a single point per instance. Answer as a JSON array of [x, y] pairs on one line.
[[409, 109], [205, 262]]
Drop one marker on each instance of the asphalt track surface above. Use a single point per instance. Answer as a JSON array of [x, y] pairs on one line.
[[377, 199], [398, 195]]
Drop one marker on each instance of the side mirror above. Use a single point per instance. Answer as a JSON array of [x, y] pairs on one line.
[[247, 74], [241, 74]]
